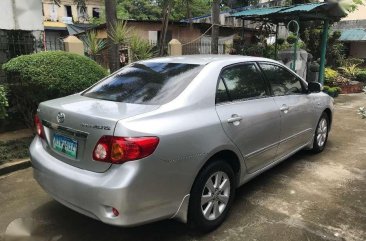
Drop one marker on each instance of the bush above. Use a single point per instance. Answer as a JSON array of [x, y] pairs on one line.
[[140, 48], [291, 39], [330, 75], [3, 102], [47, 75], [280, 41], [332, 91], [361, 76]]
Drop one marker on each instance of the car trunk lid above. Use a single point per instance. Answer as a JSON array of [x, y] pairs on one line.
[[74, 124]]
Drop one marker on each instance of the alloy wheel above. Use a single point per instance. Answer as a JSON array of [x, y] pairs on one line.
[[215, 195], [322, 132]]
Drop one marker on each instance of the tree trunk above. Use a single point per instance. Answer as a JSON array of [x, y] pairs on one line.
[[165, 23], [215, 27], [111, 19]]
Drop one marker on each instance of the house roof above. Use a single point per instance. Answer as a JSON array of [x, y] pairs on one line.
[[351, 35], [73, 29], [311, 11]]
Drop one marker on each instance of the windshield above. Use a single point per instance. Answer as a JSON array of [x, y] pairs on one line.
[[146, 83]]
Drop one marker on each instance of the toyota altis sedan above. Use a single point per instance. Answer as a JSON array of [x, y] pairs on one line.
[[174, 137]]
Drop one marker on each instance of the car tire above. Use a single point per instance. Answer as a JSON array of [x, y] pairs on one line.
[[321, 133], [211, 196]]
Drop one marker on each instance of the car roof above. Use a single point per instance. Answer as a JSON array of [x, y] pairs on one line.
[[204, 59]]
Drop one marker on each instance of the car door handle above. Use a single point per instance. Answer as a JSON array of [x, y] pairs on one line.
[[234, 118], [284, 108]]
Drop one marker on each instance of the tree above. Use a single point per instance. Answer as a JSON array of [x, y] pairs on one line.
[[215, 26], [111, 20], [167, 6]]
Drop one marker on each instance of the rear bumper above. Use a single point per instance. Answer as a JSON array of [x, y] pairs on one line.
[[94, 194]]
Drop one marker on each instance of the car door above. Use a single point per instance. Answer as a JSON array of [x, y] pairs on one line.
[[295, 107], [248, 114]]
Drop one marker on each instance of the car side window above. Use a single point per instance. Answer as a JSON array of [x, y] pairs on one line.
[[282, 81], [244, 81], [221, 93]]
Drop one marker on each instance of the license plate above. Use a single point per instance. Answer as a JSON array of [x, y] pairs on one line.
[[65, 145]]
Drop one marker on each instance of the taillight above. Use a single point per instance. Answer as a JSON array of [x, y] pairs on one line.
[[39, 127], [121, 149]]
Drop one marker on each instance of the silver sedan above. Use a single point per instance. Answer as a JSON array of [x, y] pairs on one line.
[[174, 137]]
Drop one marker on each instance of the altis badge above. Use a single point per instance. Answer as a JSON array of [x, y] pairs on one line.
[[107, 128]]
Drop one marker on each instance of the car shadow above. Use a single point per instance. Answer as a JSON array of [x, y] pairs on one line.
[[57, 222]]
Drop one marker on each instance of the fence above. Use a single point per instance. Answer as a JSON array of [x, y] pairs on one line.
[[202, 48], [16, 43]]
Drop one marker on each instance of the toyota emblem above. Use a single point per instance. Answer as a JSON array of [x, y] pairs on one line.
[[60, 117]]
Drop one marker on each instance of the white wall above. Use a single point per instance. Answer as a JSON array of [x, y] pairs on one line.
[[21, 15], [359, 14]]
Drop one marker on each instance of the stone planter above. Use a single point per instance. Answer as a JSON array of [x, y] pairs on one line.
[[352, 87]]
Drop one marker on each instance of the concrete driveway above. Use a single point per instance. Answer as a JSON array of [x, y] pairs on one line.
[[307, 197]]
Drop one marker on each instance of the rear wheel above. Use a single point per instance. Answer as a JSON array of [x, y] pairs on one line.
[[321, 134], [211, 196]]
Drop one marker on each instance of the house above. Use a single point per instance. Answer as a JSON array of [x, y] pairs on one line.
[[192, 36], [66, 18], [353, 32], [20, 26], [68, 12], [150, 30]]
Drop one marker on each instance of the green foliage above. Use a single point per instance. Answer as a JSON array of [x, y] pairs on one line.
[[332, 91], [47, 75], [93, 45], [152, 9], [3, 102], [361, 76], [350, 70], [291, 39], [120, 33], [15, 149], [140, 48], [312, 37], [280, 41], [352, 61], [330, 75]]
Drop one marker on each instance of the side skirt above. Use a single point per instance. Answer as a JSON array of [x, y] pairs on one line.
[[250, 176]]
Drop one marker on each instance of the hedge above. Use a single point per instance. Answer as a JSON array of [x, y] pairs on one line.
[[47, 75]]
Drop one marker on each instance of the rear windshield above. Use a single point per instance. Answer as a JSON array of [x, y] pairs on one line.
[[146, 83]]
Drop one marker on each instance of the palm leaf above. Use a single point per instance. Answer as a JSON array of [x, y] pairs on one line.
[[120, 33]]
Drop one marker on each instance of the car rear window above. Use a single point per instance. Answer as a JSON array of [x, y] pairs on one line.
[[145, 83]]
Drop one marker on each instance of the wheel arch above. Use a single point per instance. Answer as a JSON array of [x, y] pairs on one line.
[[230, 157], [330, 116]]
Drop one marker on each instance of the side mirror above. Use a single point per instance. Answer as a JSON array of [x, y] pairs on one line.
[[314, 87]]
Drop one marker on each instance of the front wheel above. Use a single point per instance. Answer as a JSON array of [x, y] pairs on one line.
[[211, 196], [321, 134]]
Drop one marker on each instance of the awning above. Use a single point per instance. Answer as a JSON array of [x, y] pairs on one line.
[[72, 29], [311, 11], [54, 25], [353, 34], [75, 29]]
